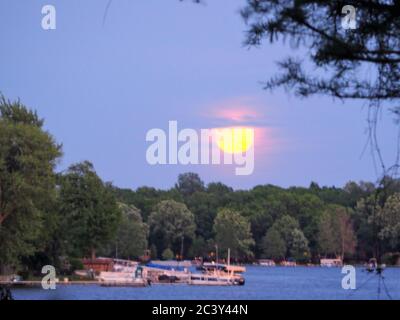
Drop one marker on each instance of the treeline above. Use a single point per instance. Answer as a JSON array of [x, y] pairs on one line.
[[356, 222], [50, 217]]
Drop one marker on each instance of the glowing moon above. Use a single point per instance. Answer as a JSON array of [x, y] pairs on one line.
[[235, 139]]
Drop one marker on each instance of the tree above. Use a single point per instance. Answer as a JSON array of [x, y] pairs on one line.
[[357, 191], [366, 226], [348, 240], [294, 239], [232, 231], [199, 248], [390, 221], [89, 210], [336, 234], [189, 183], [326, 236], [146, 198], [299, 245], [204, 205], [285, 227], [132, 233], [28, 156], [274, 247], [337, 56], [170, 224], [340, 53]]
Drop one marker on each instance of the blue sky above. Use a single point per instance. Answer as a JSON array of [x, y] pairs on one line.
[[101, 88]]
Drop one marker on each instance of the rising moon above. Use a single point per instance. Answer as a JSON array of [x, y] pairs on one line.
[[234, 139]]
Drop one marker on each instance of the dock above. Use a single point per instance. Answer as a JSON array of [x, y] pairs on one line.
[[35, 283]]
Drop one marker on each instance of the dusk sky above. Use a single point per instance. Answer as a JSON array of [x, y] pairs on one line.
[[102, 88]]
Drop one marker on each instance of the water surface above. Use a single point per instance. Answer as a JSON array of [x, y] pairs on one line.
[[261, 283]]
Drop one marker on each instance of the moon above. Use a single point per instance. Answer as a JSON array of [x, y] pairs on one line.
[[235, 139]]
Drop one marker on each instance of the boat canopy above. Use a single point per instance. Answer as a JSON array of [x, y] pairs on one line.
[[164, 267], [224, 267]]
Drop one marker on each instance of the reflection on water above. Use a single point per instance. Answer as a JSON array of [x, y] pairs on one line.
[[261, 283]]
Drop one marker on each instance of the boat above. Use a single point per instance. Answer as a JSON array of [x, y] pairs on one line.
[[288, 263], [120, 279], [210, 280], [223, 268], [124, 274], [121, 265], [220, 274], [163, 273], [173, 263], [197, 263], [266, 263], [331, 262]]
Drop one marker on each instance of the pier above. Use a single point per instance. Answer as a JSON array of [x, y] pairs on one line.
[[36, 283]]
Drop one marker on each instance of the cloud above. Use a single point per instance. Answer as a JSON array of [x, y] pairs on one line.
[[242, 111]]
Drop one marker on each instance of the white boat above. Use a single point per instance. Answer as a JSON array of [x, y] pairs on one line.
[[266, 262], [120, 279], [219, 274], [210, 280], [123, 275], [331, 262]]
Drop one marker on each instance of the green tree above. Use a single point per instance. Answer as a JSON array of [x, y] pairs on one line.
[[170, 224], [299, 246], [132, 233], [274, 247], [189, 183], [296, 242], [28, 156], [366, 227], [390, 221], [89, 210], [146, 198], [199, 248], [356, 191], [285, 226], [327, 236], [336, 232], [232, 231], [307, 209]]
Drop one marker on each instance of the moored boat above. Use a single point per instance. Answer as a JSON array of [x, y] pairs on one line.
[[266, 263], [219, 273], [162, 273], [125, 275], [210, 280]]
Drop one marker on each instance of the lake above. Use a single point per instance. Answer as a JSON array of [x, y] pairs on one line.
[[264, 283]]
